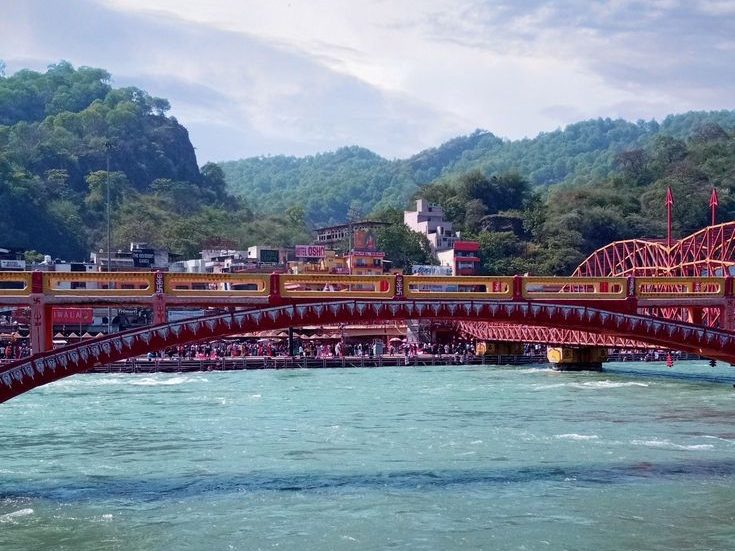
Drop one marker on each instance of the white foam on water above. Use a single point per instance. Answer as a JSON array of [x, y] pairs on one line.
[[592, 385], [574, 436], [534, 370], [703, 436], [10, 517], [152, 381], [607, 384], [255, 396], [667, 444], [125, 380]]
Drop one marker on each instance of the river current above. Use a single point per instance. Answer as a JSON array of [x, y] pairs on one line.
[[438, 458]]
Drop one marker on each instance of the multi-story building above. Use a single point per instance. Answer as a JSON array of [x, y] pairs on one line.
[[451, 251], [329, 263], [463, 258], [429, 220], [342, 233]]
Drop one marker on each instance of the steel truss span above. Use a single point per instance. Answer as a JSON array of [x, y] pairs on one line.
[[706, 253], [24, 375]]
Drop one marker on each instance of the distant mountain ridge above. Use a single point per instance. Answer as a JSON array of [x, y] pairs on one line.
[[327, 185]]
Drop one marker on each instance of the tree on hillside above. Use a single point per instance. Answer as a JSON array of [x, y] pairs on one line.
[[404, 247]]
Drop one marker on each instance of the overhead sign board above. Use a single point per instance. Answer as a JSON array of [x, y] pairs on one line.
[[427, 270], [13, 264], [72, 316], [310, 251], [143, 258], [269, 256], [364, 240]]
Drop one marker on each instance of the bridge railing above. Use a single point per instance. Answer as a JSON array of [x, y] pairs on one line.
[[666, 287], [105, 284], [217, 285], [337, 286], [598, 288], [144, 285], [466, 287], [15, 283]]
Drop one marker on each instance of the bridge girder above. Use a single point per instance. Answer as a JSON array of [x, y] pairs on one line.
[[24, 375]]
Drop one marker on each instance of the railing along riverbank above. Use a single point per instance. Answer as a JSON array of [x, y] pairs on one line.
[[285, 362]]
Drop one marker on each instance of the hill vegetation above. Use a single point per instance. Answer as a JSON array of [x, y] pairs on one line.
[[549, 231], [329, 184], [537, 205], [59, 129]]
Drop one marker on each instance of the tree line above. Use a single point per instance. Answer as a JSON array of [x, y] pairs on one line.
[[536, 205]]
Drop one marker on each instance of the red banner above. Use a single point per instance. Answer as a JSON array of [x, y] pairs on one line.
[[72, 316]]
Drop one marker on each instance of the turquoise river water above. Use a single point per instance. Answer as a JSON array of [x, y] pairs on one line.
[[440, 458]]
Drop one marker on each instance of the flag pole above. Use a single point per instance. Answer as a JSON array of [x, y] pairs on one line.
[[669, 205], [713, 204]]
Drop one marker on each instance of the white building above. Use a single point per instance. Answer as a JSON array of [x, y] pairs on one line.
[[429, 220]]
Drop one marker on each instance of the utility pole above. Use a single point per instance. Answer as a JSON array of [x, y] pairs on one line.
[[108, 147]]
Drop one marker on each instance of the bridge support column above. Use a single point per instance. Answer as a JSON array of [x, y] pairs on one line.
[[695, 315], [499, 348], [587, 358], [41, 321], [727, 315], [160, 315]]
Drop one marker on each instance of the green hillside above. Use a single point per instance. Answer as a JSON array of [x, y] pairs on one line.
[[537, 205], [57, 131], [328, 184]]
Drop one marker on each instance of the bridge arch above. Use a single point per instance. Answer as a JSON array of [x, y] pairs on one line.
[[24, 375]]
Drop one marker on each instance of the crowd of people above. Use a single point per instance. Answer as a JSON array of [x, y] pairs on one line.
[[306, 349], [14, 350]]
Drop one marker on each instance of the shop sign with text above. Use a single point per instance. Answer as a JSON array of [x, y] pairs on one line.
[[310, 251]]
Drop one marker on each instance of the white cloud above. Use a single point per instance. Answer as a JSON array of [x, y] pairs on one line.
[[297, 77]]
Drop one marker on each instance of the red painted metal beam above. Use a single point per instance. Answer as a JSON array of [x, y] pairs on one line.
[[24, 375]]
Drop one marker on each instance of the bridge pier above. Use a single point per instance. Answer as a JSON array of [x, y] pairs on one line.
[[41, 320], [696, 315], [727, 315], [160, 313], [588, 358], [499, 348]]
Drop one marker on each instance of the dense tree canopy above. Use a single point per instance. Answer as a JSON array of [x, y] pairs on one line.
[[535, 205], [59, 132], [549, 231], [594, 150]]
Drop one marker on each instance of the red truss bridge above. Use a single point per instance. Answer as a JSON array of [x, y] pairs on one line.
[[605, 306], [708, 252]]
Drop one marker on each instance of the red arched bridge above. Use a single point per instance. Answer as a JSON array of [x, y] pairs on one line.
[[252, 302], [707, 252]]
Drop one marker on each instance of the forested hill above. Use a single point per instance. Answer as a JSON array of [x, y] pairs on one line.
[[328, 184], [58, 130]]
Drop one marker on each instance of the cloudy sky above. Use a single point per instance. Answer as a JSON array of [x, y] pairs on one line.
[[259, 77]]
